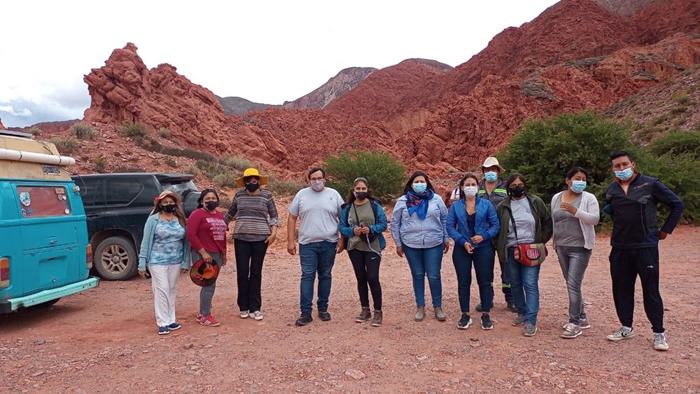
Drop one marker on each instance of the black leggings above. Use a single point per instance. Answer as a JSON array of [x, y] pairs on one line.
[[366, 266], [249, 264]]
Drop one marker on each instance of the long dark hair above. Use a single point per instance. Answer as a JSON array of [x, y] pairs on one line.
[[464, 179], [512, 179], [179, 213], [351, 196], [200, 203], [409, 184]]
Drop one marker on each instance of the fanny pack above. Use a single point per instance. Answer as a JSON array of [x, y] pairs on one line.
[[529, 255]]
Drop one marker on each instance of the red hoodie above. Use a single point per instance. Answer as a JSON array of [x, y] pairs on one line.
[[207, 230]]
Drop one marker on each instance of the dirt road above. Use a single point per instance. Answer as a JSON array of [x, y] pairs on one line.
[[105, 340]]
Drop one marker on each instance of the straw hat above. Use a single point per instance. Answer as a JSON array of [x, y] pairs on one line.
[[490, 162], [240, 182]]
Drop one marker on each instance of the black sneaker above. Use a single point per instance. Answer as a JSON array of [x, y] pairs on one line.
[[464, 322], [303, 320], [486, 323], [511, 307], [478, 308], [324, 315]]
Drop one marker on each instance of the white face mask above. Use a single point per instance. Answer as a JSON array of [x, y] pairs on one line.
[[470, 191], [317, 185]]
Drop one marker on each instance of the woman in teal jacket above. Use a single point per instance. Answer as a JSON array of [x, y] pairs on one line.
[[472, 223], [362, 221], [166, 251]]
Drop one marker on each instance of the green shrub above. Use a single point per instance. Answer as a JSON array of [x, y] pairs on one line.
[[83, 131], [65, 145], [237, 162], [133, 129], [164, 132], [170, 162], [225, 179], [385, 174], [100, 164], [676, 143], [35, 131], [284, 187]]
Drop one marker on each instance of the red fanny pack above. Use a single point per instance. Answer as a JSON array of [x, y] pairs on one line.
[[530, 255]]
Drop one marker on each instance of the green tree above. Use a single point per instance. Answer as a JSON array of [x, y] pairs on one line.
[[384, 173]]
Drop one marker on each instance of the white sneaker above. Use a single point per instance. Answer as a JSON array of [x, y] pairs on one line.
[[244, 314], [257, 315], [622, 333], [660, 342]]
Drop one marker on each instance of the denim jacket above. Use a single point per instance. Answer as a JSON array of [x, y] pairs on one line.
[[486, 223], [146, 244], [409, 230], [377, 228]]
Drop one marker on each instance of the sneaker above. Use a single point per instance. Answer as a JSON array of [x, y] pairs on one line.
[[257, 315], [209, 321], [478, 308], [420, 313], [571, 331], [464, 322], [163, 330], [511, 307], [519, 320], [364, 315], [584, 324], [199, 317], [174, 326], [303, 320], [440, 314], [660, 342], [486, 323], [244, 314], [622, 333], [529, 329], [324, 315], [377, 319]]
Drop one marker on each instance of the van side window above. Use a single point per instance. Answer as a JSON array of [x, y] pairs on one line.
[[122, 191], [43, 201]]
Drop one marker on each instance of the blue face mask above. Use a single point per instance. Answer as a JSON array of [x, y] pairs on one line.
[[491, 176], [420, 187], [625, 174], [578, 186]]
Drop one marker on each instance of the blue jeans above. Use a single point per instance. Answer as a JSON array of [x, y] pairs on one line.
[[525, 288], [425, 261], [573, 262], [483, 260], [316, 257]]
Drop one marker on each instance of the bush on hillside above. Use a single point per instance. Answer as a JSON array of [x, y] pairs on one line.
[[133, 129], [65, 145], [83, 131], [385, 174]]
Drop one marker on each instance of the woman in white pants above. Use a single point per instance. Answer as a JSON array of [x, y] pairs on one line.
[[165, 251]]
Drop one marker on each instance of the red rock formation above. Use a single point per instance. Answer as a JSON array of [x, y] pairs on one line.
[[2, 126], [666, 17]]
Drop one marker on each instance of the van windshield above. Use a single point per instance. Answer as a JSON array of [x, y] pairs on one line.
[[42, 201]]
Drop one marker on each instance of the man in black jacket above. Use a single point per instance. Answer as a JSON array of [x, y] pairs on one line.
[[631, 202]]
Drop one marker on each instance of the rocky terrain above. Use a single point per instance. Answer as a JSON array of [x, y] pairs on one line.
[[240, 106], [336, 87]]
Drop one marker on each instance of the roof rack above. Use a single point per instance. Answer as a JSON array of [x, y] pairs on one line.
[[16, 133]]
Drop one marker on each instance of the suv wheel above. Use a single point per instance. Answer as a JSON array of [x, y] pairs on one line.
[[115, 259]]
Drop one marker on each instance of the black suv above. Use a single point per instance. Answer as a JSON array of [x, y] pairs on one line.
[[117, 206]]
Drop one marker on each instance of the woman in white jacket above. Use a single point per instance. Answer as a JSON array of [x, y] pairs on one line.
[[575, 212]]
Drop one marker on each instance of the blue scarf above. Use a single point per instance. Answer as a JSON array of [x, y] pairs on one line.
[[418, 203]]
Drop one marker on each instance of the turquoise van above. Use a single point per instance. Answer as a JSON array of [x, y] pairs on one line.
[[44, 249]]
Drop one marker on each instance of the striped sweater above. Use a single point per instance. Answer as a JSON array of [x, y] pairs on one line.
[[253, 213]]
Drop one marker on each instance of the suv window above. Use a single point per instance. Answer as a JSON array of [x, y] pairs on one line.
[[42, 201], [179, 187], [92, 190], [122, 191]]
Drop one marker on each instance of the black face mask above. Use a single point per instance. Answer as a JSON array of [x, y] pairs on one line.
[[170, 208], [211, 205], [360, 195], [516, 191], [251, 187]]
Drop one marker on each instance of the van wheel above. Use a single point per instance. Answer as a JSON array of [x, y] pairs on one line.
[[115, 259]]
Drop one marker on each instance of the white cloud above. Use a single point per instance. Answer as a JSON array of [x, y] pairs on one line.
[[22, 113]]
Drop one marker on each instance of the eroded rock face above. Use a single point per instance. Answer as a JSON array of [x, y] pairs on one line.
[[2, 126], [336, 87]]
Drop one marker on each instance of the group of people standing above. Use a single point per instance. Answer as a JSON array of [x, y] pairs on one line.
[[487, 217]]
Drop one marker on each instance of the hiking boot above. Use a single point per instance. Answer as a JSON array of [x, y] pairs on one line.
[[660, 342], [519, 320], [304, 319], [364, 315], [622, 333], [511, 307], [478, 308], [163, 330], [464, 322], [209, 321], [529, 329], [257, 315], [377, 319], [244, 314], [420, 313], [486, 323], [174, 326], [439, 314], [571, 331], [324, 315]]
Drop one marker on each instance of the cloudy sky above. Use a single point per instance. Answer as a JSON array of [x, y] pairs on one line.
[[264, 51]]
